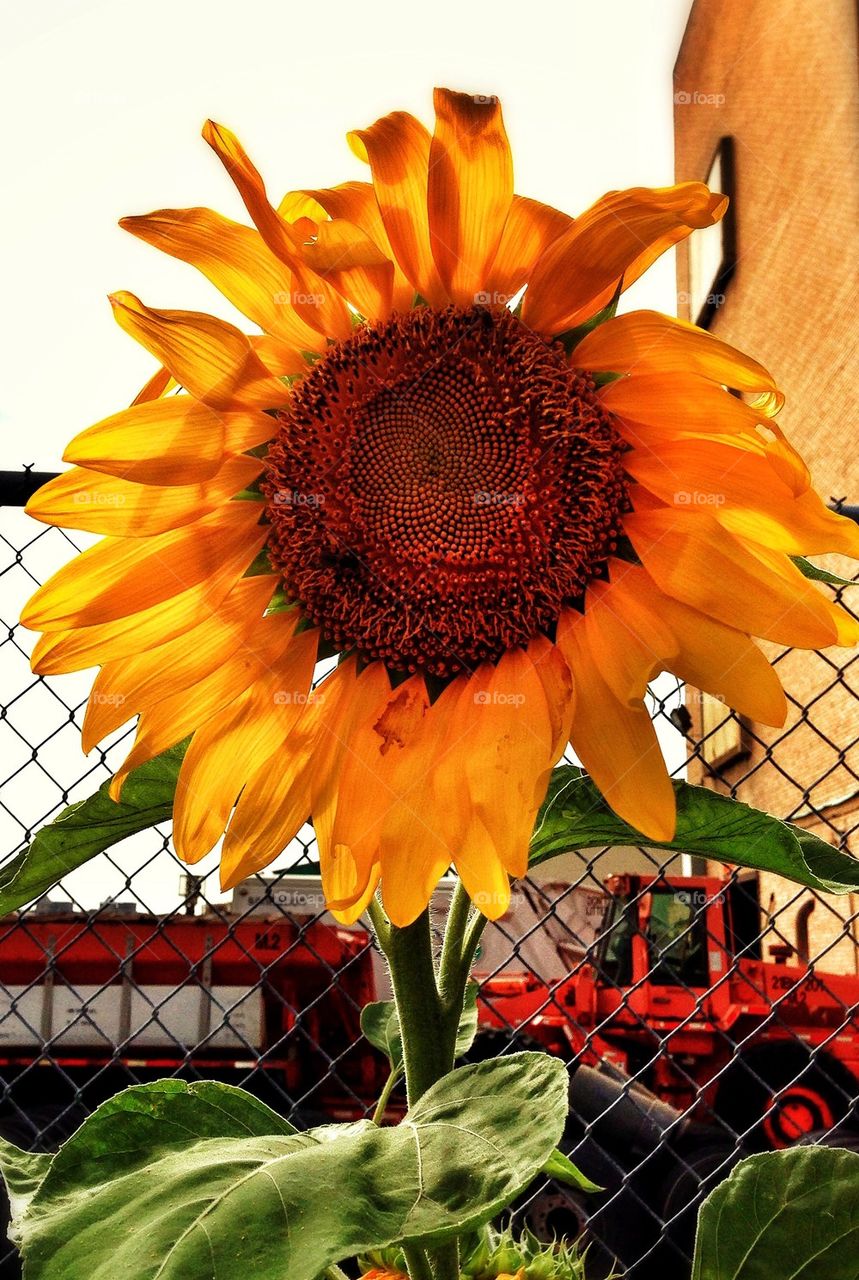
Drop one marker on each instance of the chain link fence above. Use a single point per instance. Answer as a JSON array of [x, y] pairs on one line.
[[704, 1014]]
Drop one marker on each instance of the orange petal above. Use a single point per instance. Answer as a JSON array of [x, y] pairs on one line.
[[653, 410], [234, 744], [161, 382], [346, 256], [745, 495], [698, 649], [356, 202], [397, 148], [81, 499], [171, 719], [119, 576], [695, 561], [529, 230], [616, 741], [646, 342], [316, 302], [554, 675], [128, 685], [172, 441], [213, 359], [237, 261], [618, 237], [469, 191]]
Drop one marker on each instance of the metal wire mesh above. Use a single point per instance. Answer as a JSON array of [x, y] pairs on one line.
[[701, 1018]]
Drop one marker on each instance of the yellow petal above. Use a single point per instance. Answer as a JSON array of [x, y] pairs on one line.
[[616, 741], [695, 561], [76, 648], [642, 342], [356, 202], [120, 576], [237, 261], [745, 494], [161, 382], [82, 499], [316, 302], [397, 148], [653, 410], [171, 719], [126, 686], [213, 359], [617, 238], [227, 750], [345, 255], [172, 441], [469, 191], [529, 230]]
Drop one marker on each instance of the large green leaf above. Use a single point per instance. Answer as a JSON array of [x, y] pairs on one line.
[[180, 1182], [89, 827], [380, 1023], [787, 1214], [575, 816]]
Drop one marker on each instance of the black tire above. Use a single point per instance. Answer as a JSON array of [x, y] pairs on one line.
[[772, 1097], [696, 1172]]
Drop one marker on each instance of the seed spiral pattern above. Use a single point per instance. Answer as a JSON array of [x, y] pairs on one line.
[[440, 486]]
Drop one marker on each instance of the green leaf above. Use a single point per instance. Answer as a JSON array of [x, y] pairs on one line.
[[562, 1169], [89, 827], [380, 1024], [575, 816], [791, 1214], [467, 1029], [817, 574], [572, 337], [23, 1172], [173, 1182]]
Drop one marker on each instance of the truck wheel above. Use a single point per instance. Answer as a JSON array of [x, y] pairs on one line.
[[773, 1099], [698, 1172]]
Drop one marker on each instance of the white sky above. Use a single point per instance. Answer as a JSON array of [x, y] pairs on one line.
[[103, 105]]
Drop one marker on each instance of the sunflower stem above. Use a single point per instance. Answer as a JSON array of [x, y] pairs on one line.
[[428, 1032], [417, 1263]]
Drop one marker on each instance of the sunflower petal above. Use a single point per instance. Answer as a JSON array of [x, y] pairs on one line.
[[82, 499], [234, 744], [356, 202], [646, 342], [121, 576], [237, 261], [397, 148], [161, 382], [318, 305], [172, 441], [616, 741], [695, 561], [346, 256], [529, 230], [469, 192], [616, 239], [171, 719], [128, 685], [213, 359]]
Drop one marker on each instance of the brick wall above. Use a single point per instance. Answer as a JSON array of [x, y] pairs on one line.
[[780, 77]]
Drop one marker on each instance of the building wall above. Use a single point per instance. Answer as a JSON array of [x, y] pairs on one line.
[[780, 77]]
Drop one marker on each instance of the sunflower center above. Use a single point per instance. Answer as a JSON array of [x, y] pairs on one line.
[[440, 486]]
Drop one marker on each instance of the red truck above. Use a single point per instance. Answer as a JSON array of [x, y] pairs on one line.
[[663, 979]]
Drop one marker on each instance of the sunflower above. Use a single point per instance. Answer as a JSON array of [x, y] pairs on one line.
[[443, 468]]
